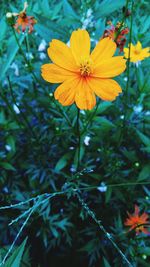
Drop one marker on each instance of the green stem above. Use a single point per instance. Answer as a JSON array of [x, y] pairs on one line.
[[128, 62], [122, 22], [22, 114], [99, 223], [27, 48], [25, 59], [90, 119], [79, 137], [128, 80]]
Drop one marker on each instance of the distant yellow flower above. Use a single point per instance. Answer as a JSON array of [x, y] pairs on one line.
[[83, 75], [137, 53]]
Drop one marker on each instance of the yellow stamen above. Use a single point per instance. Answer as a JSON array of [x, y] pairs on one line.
[[85, 67]]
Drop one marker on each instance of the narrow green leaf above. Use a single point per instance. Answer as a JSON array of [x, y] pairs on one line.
[[11, 53], [15, 258]]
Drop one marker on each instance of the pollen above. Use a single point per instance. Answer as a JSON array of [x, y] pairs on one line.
[[85, 68]]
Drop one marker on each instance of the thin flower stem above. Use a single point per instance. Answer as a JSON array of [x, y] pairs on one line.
[[17, 205], [27, 48], [22, 114], [115, 185], [91, 118], [12, 206], [25, 59], [128, 79], [64, 114], [128, 61], [98, 222], [16, 238], [38, 203], [122, 22], [79, 138]]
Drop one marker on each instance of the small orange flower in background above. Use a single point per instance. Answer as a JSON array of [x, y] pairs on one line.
[[137, 222], [83, 75], [23, 21], [137, 53], [117, 33]]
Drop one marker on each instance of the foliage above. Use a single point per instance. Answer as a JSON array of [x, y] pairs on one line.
[[39, 145]]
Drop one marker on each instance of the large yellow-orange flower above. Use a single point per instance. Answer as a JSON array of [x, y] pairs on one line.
[[83, 75]]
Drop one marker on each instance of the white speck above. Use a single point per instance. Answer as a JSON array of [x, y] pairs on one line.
[[125, 79], [15, 67], [121, 117], [137, 64], [9, 15], [8, 148], [71, 147], [72, 169], [82, 112], [87, 140], [102, 187], [42, 55], [138, 109], [87, 19], [68, 43], [147, 113], [89, 12], [42, 46], [29, 55], [16, 109]]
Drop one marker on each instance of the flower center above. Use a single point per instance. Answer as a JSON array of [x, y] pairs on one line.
[[85, 67], [137, 51]]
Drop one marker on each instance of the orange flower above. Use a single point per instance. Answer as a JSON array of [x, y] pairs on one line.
[[117, 33], [23, 21], [83, 75], [137, 222]]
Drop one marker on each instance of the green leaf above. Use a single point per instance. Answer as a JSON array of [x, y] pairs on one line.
[[103, 106], [145, 172], [15, 258], [62, 162], [2, 117], [104, 123], [68, 10], [145, 139], [46, 33], [106, 263], [11, 142], [108, 194], [11, 53], [7, 166], [3, 27], [106, 7]]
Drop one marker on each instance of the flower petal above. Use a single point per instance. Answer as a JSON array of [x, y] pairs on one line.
[[136, 212], [80, 45], [106, 89], [84, 98], [110, 67], [65, 93], [104, 49], [146, 52], [61, 55], [138, 46], [55, 74]]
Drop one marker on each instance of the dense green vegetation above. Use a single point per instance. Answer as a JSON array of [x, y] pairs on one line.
[[42, 163]]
